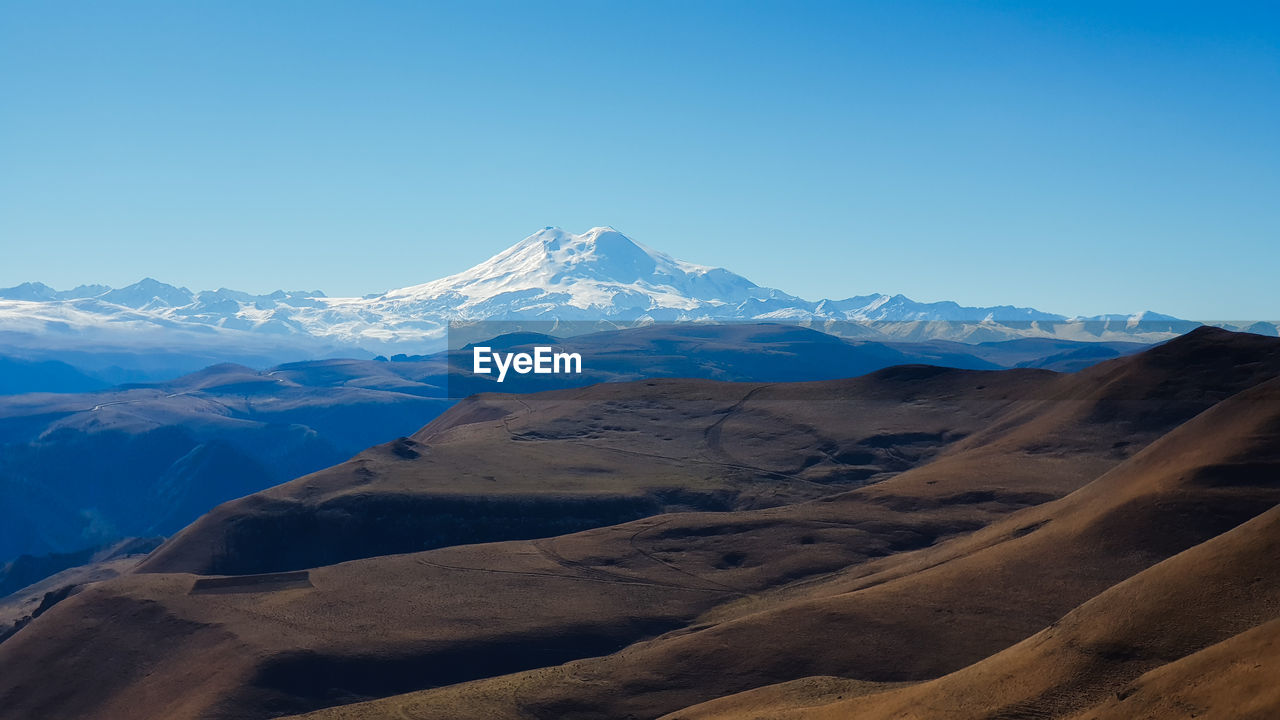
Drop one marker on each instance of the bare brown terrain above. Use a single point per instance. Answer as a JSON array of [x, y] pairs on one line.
[[918, 615], [502, 467], [917, 542], [1193, 636]]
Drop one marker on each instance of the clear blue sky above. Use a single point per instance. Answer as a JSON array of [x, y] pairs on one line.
[[1096, 157]]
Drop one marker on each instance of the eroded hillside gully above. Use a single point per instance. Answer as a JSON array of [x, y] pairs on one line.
[[673, 545]]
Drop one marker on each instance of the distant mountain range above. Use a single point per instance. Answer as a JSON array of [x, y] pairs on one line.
[[600, 276]]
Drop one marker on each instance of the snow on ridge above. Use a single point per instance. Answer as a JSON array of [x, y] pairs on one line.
[[594, 269], [552, 274]]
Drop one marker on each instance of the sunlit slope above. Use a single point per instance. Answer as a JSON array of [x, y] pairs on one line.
[[1197, 635], [918, 615]]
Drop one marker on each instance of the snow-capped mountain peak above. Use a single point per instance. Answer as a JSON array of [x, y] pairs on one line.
[[601, 268], [599, 276], [553, 256], [149, 293]]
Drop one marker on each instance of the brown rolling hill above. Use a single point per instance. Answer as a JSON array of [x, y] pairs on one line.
[[508, 467], [919, 615], [950, 548], [500, 467], [1197, 635]]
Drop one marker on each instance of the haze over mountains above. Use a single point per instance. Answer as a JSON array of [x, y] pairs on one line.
[[552, 275]]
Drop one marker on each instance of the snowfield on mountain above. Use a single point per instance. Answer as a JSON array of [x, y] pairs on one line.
[[552, 275]]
